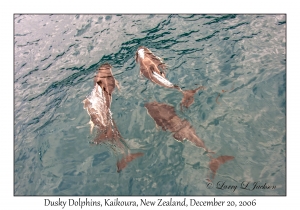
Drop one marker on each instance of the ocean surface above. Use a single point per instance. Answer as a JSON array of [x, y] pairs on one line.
[[239, 59]]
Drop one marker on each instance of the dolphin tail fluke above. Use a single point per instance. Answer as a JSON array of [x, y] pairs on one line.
[[121, 164], [188, 97], [215, 163]]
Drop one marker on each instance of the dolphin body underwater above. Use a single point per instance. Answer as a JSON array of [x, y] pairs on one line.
[[165, 116], [97, 105], [153, 68]]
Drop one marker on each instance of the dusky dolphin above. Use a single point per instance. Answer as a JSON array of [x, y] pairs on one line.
[[165, 116], [98, 105], [153, 68]]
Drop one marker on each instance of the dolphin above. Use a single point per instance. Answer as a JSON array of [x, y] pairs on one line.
[[165, 116], [215, 163], [98, 105], [153, 68]]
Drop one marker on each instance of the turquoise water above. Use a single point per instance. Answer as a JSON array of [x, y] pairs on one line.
[[56, 57]]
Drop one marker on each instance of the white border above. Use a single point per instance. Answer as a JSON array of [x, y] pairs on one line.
[[118, 6]]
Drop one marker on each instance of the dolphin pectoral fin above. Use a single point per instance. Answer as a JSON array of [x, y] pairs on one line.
[[118, 84], [92, 126]]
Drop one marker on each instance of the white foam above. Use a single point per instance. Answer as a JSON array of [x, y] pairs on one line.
[[163, 80], [141, 53]]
